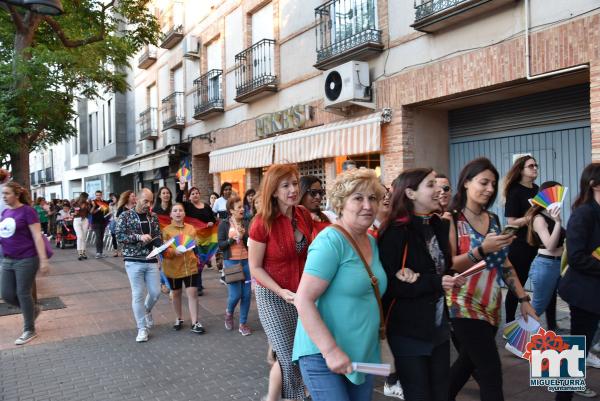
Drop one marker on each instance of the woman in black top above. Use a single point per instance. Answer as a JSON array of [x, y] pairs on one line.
[[418, 331], [581, 284], [548, 236], [164, 202], [519, 187], [196, 209]]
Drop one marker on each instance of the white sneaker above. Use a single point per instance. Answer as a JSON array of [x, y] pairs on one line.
[[25, 337], [142, 336], [592, 360], [394, 390], [149, 320]]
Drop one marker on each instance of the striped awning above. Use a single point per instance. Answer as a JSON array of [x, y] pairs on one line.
[[247, 155], [346, 137]]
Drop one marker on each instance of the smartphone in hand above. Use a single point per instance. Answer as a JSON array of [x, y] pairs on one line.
[[509, 230]]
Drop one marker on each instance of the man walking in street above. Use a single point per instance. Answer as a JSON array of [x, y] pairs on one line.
[[138, 230], [99, 213]]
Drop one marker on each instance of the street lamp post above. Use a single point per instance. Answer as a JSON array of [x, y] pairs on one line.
[[44, 7]]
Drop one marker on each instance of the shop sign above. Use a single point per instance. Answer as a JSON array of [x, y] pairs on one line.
[[282, 121]]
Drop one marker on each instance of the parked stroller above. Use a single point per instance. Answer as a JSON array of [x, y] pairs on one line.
[[65, 234]]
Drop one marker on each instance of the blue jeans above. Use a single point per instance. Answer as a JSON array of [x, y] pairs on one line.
[[324, 385], [143, 275], [239, 290], [544, 275]]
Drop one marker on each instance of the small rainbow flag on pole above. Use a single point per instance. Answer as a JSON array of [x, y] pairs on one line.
[[550, 197], [184, 173]]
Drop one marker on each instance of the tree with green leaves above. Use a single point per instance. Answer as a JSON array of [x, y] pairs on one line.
[[48, 61]]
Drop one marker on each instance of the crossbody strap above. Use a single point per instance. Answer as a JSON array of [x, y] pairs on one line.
[[374, 281]]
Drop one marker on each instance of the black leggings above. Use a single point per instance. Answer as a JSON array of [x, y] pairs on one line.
[[520, 256], [583, 323], [424, 378], [478, 356]]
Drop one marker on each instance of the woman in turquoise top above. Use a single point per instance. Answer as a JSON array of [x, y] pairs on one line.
[[338, 311]]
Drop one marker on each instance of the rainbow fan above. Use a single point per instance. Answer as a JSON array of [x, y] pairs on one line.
[[550, 197], [184, 174], [103, 206], [517, 334], [183, 242]]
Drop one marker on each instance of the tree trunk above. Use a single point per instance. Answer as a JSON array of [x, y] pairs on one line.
[[23, 39], [20, 165]]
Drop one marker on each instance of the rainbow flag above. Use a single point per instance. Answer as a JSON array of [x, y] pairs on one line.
[[206, 239], [103, 206], [163, 220]]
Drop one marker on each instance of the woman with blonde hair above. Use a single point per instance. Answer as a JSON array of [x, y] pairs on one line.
[[278, 245], [338, 299]]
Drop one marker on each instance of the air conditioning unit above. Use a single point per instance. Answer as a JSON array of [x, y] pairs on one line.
[[171, 137], [147, 146], [347, 84], [191, 47]]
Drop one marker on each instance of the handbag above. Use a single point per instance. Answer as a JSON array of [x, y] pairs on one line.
[[374, 281], [234, 273]]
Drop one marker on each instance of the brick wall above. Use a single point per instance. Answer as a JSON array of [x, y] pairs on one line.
[[200, 176]]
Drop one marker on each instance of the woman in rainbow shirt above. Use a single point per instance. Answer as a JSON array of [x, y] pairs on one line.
[[474, 308]]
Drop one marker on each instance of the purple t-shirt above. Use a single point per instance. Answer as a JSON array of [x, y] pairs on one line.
[[15, 236]]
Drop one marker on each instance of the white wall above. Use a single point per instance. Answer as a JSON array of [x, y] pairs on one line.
[[297, 14], [234, 42]]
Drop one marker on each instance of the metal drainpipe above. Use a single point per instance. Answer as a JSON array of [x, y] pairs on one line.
[[528, 55]]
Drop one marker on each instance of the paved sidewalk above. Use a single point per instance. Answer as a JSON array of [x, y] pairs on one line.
[[87, 351]]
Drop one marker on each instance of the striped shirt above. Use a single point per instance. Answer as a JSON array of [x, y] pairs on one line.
[[480, 298]]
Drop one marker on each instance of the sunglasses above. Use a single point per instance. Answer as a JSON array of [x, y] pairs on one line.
[[532, 166], [446, 188], [315, 192]]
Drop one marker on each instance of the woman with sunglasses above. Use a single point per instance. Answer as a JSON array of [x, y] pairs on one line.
[[443, 183], [311, 196], [519, 187]]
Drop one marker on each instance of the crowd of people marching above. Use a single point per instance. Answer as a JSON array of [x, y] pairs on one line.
[[376, 266]]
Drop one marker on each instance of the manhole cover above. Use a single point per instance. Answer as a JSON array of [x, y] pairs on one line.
[[45, 303]]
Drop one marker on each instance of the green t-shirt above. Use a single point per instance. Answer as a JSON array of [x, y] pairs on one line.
[[42, 214], [348, 306]]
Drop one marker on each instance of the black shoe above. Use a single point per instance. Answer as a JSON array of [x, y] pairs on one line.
[[200, 292], [84, 256], [198, 329], [178, 325], [80, 257]]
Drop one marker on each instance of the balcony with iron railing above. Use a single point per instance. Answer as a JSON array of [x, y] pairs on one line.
[[255, 71], [208, 96], [172, 33], [33, 178], [148, 57], [148, 123], [346, 30], [435, 15], [41, 176], [173, 114]]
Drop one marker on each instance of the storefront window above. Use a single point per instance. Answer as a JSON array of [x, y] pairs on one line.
[[368, 160], [237, 178]]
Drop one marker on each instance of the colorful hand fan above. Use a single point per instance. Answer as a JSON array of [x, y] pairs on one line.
[[596, 253], [183, 242], [476, 268], [103, 206], [550, 197], [184, 174], [517, 334]]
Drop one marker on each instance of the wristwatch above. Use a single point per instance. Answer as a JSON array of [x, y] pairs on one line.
[[526, 298]]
